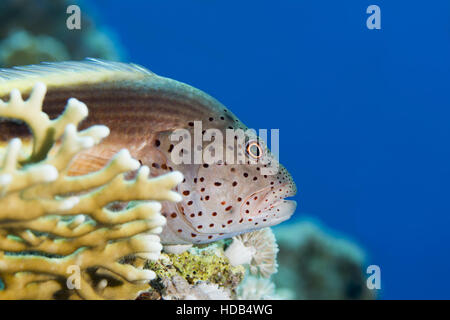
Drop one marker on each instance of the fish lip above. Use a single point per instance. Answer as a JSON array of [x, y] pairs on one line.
[[266, 191], [286, 215]]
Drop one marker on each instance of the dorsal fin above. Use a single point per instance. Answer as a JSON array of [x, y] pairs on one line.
[[56, 74]]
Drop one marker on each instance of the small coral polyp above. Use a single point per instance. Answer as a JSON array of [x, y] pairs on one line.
[[52, 223], [257, 249]]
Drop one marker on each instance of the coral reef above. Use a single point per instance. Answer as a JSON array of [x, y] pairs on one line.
[[96, 236], [54, 226], [180, 289], [198, 273], [257, 249], [35, 31], [313, 264], [20, 46]]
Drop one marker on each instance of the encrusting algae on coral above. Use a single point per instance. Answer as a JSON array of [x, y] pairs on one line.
[[205, 264], [52, 224], [198, 273]]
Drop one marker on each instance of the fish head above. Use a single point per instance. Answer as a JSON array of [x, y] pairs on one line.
[[232, 182], [239, 188], [242, 197]]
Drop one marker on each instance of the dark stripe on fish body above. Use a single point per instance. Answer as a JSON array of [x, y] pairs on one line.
[[122, 106]]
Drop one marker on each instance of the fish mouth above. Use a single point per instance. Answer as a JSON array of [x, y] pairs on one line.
[[270, 205], [280, 211]]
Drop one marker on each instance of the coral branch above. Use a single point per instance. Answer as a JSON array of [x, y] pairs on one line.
[[52, 223]]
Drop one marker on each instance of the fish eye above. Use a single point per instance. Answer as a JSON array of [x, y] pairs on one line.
[[254, 150]]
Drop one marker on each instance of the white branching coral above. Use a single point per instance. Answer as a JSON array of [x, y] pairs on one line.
[[178, 288], [210, 291], [56, 228], [258, 249]]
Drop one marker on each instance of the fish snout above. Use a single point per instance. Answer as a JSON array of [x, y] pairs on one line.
[[270, 203]]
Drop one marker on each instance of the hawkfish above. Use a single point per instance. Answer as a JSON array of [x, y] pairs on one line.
[[143, 110]]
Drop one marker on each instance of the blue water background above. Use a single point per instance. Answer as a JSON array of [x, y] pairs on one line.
[[364, 115]]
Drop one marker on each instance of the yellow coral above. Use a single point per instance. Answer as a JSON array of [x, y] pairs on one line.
[[52, 223], [194, 272], [205, 265]]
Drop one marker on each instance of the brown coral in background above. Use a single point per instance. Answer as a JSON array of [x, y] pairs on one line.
[[35, 31]]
